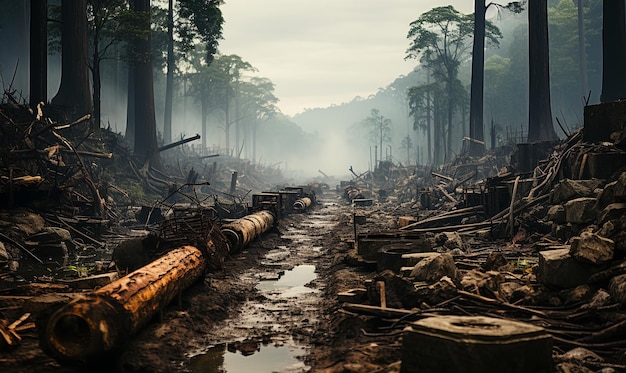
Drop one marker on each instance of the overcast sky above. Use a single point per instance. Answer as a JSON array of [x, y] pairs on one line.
[[324, 52]]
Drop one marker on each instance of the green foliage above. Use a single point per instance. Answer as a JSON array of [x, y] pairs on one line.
[[200, 19]]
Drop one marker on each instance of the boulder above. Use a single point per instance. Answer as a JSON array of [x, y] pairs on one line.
[[556, 214], [591, 248], [571, 189], [580, 210], [620, 188], [608, 194], [558, 268], [612, 212], [432, 269], [617, 288]]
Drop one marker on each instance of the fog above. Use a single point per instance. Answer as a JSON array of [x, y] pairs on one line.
[[329, 138]]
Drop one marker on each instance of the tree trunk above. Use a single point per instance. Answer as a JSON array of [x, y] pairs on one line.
[[613, 51], [169, 81], [205, 112], [582, 56], [478, 72], [130, 105], [38, 52], [74, 90], [448, 146], [429, 105], [540, 125], [97, 83], [145, 122]]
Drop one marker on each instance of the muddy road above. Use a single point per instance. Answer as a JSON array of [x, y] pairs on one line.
[[271, 308]]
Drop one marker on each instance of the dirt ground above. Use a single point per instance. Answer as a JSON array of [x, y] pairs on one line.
[[227, 307]]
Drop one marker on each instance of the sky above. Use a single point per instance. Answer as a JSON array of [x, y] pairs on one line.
[[324, 52]]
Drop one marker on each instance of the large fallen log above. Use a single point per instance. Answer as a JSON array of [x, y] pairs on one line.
[[93, 325], [302, 204], [242, 231]]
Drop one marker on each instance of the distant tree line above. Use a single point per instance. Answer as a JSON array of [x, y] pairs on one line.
[[157, 55]]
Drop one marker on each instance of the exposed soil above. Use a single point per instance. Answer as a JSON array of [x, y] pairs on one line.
[[229, 308]]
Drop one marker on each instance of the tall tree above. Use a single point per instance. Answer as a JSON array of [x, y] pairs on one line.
[[476, 132], [380, 129], [613, 50], [258, 104], [38, 52], [103, 18], [540, 126], [582, 54], [197, 19], [145, 144], [439, 39], [74, 92]]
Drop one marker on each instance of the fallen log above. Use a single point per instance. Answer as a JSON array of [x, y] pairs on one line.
[[242, 231], [95, 324], [302, 204]]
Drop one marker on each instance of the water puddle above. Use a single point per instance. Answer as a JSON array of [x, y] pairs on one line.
[[292, 283], [264, 359]]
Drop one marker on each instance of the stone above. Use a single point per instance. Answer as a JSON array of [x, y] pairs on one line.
[[432, 269], [617, 288], [4, 254], [612, 211], [569, 189], [449, 240], [580, 210], [467, 344], [556, 214], [591, 248], [607, 196], [559, 269], [620, 188]]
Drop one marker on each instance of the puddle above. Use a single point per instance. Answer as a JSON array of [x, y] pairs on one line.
[[267, 359], [292, 283]]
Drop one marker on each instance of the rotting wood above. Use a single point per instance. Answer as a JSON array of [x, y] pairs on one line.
[[242, 231], [102, 320], [179, 143]]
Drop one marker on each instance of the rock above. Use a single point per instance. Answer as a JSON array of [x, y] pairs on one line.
[[449, 240], [578, 294], [4, 255], [556, 214], [434, 268], [612, 211], [495, 261], [475, 280], [608, 229], [559, 269], [51, 235], [568, 189], [572, 368], [581, 355], [591, 248], [617, 288], [580, 210], [600, 299], [608, 194], [620, 188]]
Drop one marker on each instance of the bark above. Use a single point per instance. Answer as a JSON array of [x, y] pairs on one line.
[[169, 81], [38, 52], [540, 125], [130, 105], [613, 51], [74, 90], [145, 122], [582, 56], [478, 80]]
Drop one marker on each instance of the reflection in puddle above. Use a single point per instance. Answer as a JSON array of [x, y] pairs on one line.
[[267, 359], [292, 283]]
